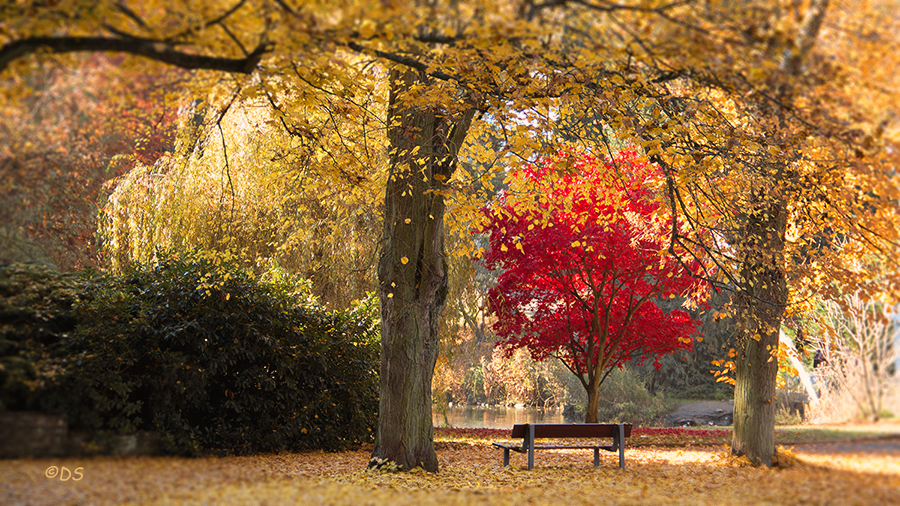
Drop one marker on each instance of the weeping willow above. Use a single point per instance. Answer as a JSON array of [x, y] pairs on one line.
[[240, 182]]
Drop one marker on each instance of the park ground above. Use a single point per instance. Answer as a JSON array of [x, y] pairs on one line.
[[833, 465]]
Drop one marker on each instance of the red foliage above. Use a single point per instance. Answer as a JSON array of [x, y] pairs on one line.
[[580, 272]]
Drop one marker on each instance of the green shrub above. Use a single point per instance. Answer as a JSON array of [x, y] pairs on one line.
[[36, 316], [625, 399], [784, 415], [216, 361], [687, 374]]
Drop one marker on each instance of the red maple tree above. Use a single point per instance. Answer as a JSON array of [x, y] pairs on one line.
[[580, 271]]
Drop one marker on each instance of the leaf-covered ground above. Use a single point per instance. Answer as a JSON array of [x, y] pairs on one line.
[[844, 471]]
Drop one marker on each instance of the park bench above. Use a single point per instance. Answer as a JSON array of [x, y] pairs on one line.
[[530, 432]]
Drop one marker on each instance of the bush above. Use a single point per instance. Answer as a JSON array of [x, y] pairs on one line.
[[687, 374], [199, 350], [859, 344], [36, 316], [625, 399]]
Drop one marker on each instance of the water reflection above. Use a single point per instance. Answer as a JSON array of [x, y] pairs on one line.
[[492, 417]]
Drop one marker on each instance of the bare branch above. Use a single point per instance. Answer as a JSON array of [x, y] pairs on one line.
[[154, 50], [404, 60], [209, 23], [124, 9]]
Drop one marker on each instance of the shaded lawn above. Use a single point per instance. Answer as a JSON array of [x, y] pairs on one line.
[[470, 474]]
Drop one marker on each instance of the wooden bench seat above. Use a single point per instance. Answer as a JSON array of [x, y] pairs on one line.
[[530, 432]]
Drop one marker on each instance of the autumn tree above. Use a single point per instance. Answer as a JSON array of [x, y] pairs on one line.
[[769, 138], [579, 276], [63, 141], [773, 179]]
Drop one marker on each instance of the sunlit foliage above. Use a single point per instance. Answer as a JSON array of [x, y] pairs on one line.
[[71, 131]]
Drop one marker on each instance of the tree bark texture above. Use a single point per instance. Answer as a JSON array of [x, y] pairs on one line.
[[412, 272], [760, 307]]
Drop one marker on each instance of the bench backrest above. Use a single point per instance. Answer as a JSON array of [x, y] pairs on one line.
[[564, 430]]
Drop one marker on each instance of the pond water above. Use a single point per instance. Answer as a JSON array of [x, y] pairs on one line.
[[493, 417]]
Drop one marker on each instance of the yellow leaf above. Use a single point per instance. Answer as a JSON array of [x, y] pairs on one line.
[[367, 29], [404, 260]]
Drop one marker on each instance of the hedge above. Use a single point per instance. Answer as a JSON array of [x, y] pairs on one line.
[[207, 354]]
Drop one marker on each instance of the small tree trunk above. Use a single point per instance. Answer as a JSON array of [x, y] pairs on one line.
[[412, 274], [592, 415]]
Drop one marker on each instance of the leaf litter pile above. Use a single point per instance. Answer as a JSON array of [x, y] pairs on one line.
[[666, 467]]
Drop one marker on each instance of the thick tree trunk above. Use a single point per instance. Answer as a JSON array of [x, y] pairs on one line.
[[412, 274], [754, 400], [760, 302]]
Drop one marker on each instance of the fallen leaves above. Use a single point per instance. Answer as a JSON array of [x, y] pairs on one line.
[[470, 474]]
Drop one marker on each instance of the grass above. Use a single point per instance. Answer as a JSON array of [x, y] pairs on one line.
[[669, 466]]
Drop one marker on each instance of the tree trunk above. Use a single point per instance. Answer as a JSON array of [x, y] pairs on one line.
[[754, 400], [412, 273], [592, 415], [760, 302]]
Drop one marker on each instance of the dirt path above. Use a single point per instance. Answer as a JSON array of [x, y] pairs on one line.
[[883, 446], [699, 413]]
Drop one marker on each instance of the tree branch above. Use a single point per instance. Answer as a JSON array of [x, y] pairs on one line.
[[403, 60], [124, 9], [211, 22], [147, 48]]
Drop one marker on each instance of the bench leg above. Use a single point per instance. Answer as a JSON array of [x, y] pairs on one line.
[[530, 444], [620, 440], [596, 457], [505, 457]]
